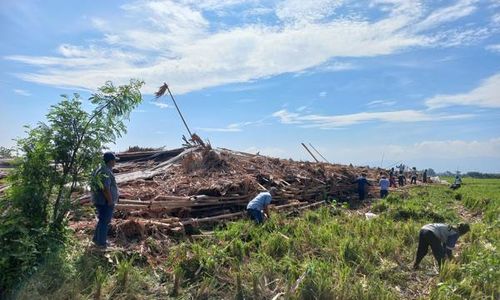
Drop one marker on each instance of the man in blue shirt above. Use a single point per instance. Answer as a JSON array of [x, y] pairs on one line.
[[442, 239], [260, 203], [104, 196], [362, 183]]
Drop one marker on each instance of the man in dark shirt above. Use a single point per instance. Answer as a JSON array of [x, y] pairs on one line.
[[104, 196], [401, 179], [442, 239], [362, 183]]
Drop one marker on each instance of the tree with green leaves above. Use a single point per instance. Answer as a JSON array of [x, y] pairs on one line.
[[6, 152], [58, 158]]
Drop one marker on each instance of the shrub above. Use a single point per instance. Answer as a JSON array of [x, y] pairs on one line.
[[58, 157]]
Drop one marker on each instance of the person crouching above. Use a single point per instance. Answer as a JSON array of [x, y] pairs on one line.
[[258, 207]]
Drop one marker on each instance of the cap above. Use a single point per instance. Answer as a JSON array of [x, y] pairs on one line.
[[108, 156]]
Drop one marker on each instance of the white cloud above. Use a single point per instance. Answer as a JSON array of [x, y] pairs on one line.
[[487, 94], [173, 41], [441, 155], [339, 121], [299, 11], [447, 14], [496, 18], [160, 104], [440, 149], [234, 127], [337, 66], [230, 128], [323, 94], [494, 48], [22, 92], [381, 103]]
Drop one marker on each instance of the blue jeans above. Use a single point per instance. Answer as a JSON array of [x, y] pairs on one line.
[[361, 194], [255, 215], [104, 215], [384, 193]]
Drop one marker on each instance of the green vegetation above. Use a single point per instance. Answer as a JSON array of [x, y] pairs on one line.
[[6, 152], [58, 157], [336, 253]]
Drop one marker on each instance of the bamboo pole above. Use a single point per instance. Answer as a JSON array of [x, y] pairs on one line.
[[304, 145]]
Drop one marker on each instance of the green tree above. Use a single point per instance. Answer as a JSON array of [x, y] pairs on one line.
[[58, 157], [5, 152]]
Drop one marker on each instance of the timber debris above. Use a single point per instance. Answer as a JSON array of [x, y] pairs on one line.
[[171, 192]]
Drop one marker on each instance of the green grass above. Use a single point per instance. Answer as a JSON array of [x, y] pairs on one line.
[[337, 253]]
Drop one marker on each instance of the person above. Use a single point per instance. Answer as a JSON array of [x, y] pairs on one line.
[[442, 239], [392, 181], [362, 183], [457, 183], [104, 196], [424, 176], [384, 186], [401, 179], [259, 204], [413, 176], [392, 178]]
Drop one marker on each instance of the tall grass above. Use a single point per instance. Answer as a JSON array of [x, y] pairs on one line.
[[330, 253]]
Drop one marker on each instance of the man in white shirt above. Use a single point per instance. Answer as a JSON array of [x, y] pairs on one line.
[[260, 204]]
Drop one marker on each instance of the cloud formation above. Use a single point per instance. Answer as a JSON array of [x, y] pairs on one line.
[[433, 149], [486, 95], [22, 92], [340, 121], [174, 41], [160, 104]]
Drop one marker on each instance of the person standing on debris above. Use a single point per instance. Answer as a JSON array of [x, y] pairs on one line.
[[413, 176], [258, 207], [392, 178], [362, 183], [442, 239], [401, 179], [424, 176], [384, 186], [104, 196]]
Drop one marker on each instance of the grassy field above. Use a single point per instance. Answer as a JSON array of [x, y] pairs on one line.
[[330, 253]]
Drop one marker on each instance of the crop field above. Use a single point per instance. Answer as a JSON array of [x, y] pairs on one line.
[[329, 253]]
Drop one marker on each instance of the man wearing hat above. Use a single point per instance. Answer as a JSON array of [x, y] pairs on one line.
[[104, 196]]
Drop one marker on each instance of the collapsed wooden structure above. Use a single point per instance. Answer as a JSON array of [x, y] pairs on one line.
[[195, 185]]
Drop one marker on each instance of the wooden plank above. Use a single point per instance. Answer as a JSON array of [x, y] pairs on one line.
[[128, 207]]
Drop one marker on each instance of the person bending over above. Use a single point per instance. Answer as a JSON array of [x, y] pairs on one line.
[[441, 238]]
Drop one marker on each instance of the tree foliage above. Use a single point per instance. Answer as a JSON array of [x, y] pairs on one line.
[[6, 152], [58, 157]]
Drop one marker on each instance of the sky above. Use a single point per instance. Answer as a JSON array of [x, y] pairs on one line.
[[374, 82]]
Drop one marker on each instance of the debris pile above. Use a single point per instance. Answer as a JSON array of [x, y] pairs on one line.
[[173, 190]]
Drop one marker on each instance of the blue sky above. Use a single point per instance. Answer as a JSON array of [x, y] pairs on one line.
[[411, 81]]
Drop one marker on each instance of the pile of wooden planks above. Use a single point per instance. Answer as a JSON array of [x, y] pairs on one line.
[[195, 185]]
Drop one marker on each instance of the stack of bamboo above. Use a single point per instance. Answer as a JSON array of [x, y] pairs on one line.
[[170, 189]]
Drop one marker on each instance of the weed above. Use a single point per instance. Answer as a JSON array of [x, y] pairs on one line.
[[343, 256]]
